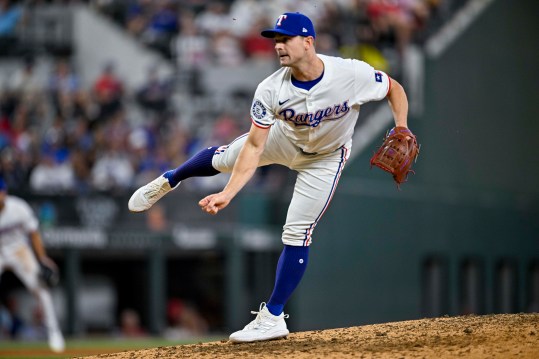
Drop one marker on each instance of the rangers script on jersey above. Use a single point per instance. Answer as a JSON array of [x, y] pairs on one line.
[[322, 119]]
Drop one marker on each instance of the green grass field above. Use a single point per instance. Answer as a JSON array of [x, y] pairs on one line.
[[85, 347]]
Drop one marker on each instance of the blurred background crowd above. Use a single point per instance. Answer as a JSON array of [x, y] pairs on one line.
[[59, 135]]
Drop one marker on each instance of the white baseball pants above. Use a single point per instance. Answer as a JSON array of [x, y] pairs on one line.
[[318, 175]]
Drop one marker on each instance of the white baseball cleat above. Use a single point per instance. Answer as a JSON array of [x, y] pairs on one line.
[[56, 342], [266, 326], [147, 195]]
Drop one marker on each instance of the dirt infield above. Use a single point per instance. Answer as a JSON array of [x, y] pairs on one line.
[[489, 336]]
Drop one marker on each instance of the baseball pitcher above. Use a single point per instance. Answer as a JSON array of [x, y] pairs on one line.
[[303, 117]]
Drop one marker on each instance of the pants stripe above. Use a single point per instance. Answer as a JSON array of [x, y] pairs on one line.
[[308, 232]]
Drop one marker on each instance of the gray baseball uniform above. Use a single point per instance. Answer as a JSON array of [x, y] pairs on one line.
[[311, 133]]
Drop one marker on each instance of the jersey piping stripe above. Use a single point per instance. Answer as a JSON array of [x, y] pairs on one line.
[[307, 241], [258, 124], [222, 149], [389, 86], [238, 138]]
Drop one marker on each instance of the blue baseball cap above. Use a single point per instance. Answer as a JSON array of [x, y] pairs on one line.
[[291, 24]]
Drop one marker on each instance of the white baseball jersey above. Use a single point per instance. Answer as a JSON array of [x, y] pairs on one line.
[[17, 220], [322, 119]]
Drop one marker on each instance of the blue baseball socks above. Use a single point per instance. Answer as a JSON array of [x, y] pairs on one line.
[[290, 269], [197, 166]]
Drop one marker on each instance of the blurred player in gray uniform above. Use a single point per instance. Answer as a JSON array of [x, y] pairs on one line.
[[18, 227], [303, 117]]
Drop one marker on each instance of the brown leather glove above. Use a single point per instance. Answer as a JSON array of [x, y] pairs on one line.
[[397, 153]]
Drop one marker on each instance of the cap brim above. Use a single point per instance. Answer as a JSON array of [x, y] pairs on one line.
[[270, 33]]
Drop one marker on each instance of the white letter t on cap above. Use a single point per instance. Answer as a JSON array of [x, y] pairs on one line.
[[280, 19]]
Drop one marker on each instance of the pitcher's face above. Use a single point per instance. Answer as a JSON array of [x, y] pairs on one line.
[[291, 49]]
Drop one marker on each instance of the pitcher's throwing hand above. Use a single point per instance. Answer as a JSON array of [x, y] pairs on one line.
[[214, 203]]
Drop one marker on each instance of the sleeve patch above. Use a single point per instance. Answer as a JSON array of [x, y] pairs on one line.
[[378, 76], [258, 110]]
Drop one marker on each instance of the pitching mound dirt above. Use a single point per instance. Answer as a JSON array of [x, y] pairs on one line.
[[489, 336]]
